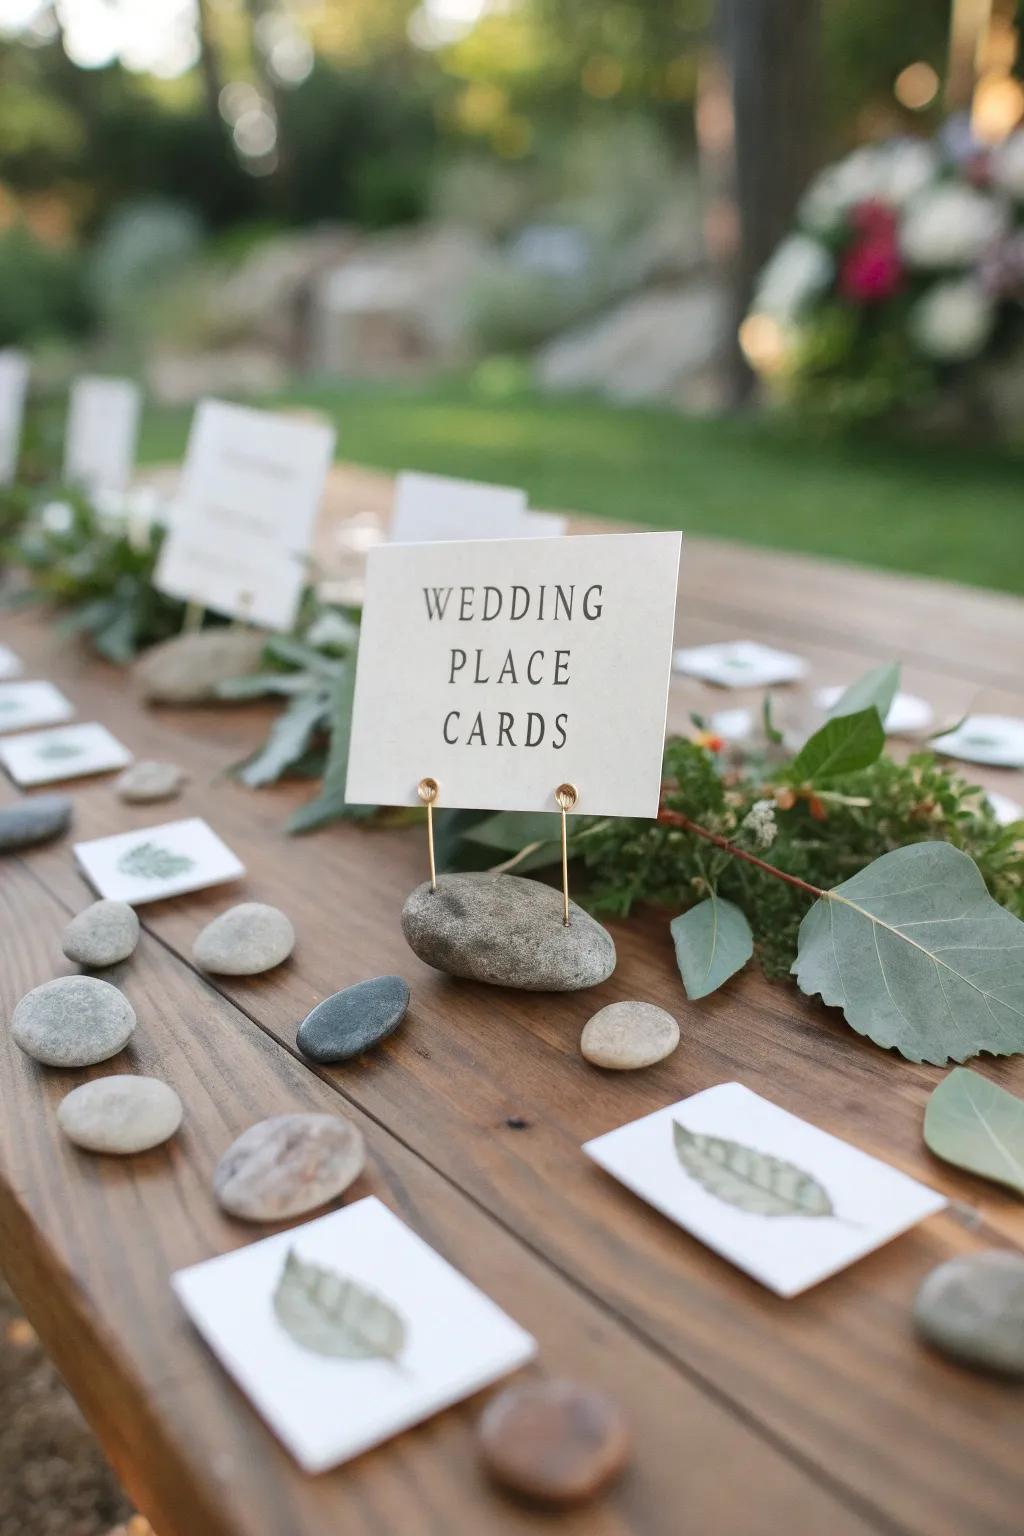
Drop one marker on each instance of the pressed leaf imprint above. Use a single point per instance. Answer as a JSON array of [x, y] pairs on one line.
[[54, 751], [331, 1315], [752, 1181], [149, 861]]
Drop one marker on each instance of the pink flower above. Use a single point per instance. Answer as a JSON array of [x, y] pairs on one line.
[[871, 269]]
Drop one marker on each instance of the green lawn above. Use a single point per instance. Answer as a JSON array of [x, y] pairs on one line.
[[933, 509]]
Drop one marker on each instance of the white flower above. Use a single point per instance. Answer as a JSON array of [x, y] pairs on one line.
[[950, 225], [760, 823], [953, 321], [798, 272], [887, 173], [1008, 165], [57, 517]]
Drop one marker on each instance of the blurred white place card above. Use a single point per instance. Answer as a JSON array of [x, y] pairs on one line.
[[68, 752], [245, 513], [154, 862], [432, 509], [14, 370], [504, 668], [23, 705], [101, 433], [10, 663], [906, 715], [740, 664], [777, 1197], [347, 1330], [996, 740]]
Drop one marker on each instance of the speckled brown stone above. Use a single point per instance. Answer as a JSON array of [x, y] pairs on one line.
[[553, 1441], [288, 1164]]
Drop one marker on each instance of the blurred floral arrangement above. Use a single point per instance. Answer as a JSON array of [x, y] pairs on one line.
[[903, 278]]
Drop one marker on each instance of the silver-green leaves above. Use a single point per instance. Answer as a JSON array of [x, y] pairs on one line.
[[330, 1315], [752, 1181], [713, 941], [977, 1125], [151, 862], [919, 956]]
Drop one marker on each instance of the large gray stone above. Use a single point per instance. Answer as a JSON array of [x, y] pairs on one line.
[[288, 1164], [34, 819], [102, 934], [73, 1022], [507, 931], [245, 940], [190, 668], [972, 1308], [120, 1114]]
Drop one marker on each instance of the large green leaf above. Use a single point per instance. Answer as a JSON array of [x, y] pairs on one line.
[[713, 941], [329, 1314], [755, 1182], [330, 804], [977, 1125], [918, 956], [289, 737], [842, 745], [877, 687]]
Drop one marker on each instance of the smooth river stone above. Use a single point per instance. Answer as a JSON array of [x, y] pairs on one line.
[[103, 934], [349, 1022], [287, 1165], [507, 931], [74, 1021], [628, 1035], [553, 1441], [972, 1309], [245, 940], [145, 782], [190, 668], [120, 1114], [35, 819]]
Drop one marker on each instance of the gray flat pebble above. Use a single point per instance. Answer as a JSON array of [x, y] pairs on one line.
[[245, 940], [120, 1114], [145, 782], [102, 934], [507, 931], [74, 1021], [350, 1022], [288, 1164], [35, 819], [628, 1035], [972, 1309]]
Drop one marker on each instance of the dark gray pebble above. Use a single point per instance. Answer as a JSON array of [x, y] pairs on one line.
[[349, 1022], [35, 819]]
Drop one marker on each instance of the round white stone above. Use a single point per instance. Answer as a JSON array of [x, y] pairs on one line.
[[628, 1035], [245, 940], [102, 934], [74, 1021], [145, 782], [120, 1114]]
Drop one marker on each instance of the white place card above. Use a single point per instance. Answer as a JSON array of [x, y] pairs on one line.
[[777, 1197], [740, 664], [421, 1337], [101, 434], [906, 715], [69, 752], [996, 740], [244, 516], [14, 371], [504, 668], [10, 663], [27, 704], [1004, 808], [154, 862], [431, 509]]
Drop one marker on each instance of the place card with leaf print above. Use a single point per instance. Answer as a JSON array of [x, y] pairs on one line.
[[23, 705], [777, 1197], [347, 1330], [10, 663], [68, 752], [154, 862]]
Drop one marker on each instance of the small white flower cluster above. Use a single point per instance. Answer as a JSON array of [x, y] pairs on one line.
[[759, 822]]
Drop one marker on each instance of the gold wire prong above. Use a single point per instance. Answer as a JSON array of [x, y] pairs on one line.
[[566, 796], [428, 791]]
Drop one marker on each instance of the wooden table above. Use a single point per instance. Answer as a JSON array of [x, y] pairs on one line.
[[752, 1416]]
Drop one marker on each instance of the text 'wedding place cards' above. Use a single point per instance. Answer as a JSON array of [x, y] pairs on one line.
[[68, 752], [777, 1197], [505, 668], [14, 370], [102, 429], [347, 1330], [23, 705], [245, 512], [10, 663], [740, 664], [155, 862]]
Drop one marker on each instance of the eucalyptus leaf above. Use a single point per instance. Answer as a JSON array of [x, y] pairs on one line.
[[257, 685], [329, 1314], [713, 941], [330, 804], [918, 956], [843, 745], [289, 737], [974, 1124], [755, 1182], [510, 831], [877, 687]]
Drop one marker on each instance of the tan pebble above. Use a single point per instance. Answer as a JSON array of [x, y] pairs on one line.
[[554, 1441], [628, 1035]]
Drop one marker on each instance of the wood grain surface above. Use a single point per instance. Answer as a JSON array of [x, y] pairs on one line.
[[750, 1414]]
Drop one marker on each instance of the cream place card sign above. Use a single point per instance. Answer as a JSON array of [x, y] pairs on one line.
[[14, 367], [504, 668], [246, 509], [102, 429]]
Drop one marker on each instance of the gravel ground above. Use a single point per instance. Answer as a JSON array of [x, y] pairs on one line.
[[53, 1478]]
